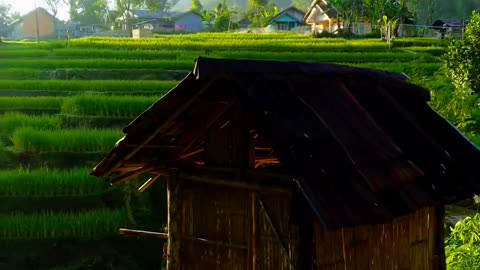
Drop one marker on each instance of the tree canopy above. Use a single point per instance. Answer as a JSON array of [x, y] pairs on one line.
[[53, 6], [5, 19]]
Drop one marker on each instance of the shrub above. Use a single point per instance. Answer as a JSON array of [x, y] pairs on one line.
[[463, 245], [463, 58], [462, 63]]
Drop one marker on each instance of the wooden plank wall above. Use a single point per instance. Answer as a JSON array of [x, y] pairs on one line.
[[405, 244]]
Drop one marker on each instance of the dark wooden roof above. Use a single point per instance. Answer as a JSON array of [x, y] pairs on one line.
[[450, 23], [362, 145], [287, 11]]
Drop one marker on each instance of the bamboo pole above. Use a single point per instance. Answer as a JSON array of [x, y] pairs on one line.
[[141, 233], [148, 183]]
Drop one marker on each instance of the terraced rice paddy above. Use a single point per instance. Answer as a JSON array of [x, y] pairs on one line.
[[61, 110]]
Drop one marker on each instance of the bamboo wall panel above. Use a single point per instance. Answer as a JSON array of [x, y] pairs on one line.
[[219, 217], [405, 244], [271, 253], [216, 231], [330, 257], [223, 217]]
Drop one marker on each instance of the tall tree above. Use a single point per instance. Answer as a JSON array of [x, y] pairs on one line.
[[5, 19], [375, 10], [301, 4], [87, 11], [462, 66], [222, 17], [255, 10], [196, 5], [127, 7], [349, 10], [53, 6], [92, 11], [153, 5], [73, 6]]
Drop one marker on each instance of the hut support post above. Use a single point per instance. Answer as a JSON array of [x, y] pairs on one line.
[[440, 263], [173, 251], [253, 234]]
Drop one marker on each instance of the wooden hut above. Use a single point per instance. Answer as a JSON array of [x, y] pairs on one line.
[[287, 165]]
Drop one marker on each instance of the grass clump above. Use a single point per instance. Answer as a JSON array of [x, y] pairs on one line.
[[13, 120], [30, 103], [30, 140], [88, 86], [97, 63], [96, 224], [45, 182], [114, 106]]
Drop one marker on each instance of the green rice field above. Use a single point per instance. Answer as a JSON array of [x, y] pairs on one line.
[[62, 110]]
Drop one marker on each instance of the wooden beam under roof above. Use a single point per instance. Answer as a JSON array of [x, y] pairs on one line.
[[128, 175], [166, 125], [148, 183], [235, 183], [190, 154]]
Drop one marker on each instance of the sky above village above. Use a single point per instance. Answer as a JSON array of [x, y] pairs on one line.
[[25, 6]]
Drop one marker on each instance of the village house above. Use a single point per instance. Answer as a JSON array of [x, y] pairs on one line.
[[450, 27], [290, 165], [322, 16], [286, 20], [38, 23], [146, 23]]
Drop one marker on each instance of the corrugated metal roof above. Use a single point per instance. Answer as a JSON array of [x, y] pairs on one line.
[[363, 145]]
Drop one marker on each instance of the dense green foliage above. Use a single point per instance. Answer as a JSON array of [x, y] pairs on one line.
[[463, 245], [463, 58], [462, 66]]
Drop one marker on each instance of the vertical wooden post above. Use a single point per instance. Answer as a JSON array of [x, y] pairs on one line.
[[173, 258], [440, 238], [253, 234]]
